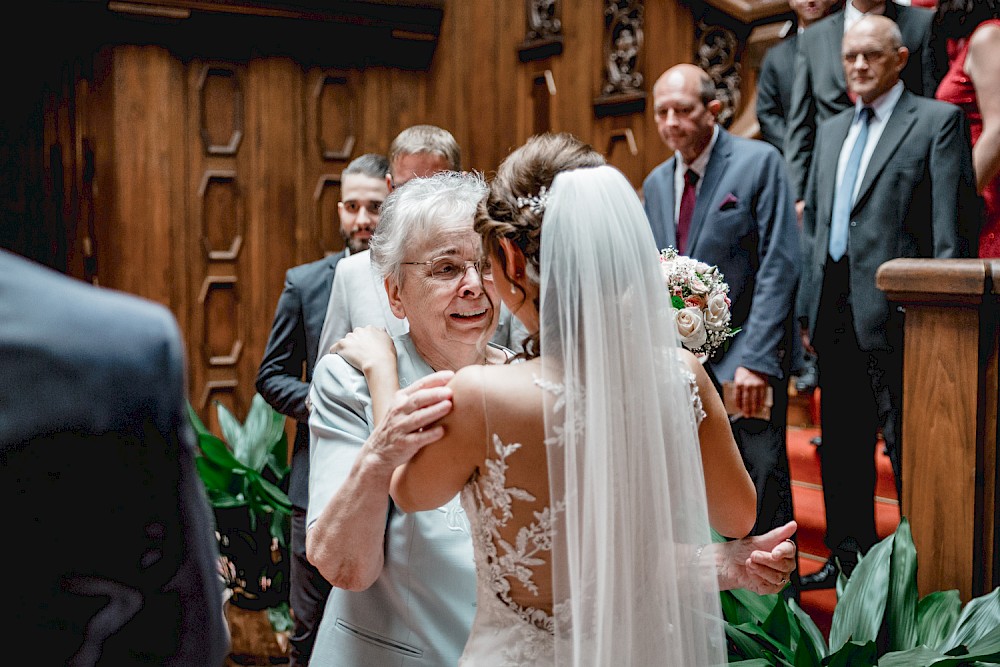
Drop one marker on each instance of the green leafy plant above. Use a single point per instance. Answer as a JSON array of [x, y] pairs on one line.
[[243, 482], [878, 620]]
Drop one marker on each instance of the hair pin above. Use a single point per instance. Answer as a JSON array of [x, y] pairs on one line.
[[535, 203]]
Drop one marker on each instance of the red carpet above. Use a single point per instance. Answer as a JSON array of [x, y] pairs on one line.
[[807, 496]]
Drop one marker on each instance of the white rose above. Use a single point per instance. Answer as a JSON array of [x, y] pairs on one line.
[[702, 268], [698, 286], [691, 328], [717, 312]]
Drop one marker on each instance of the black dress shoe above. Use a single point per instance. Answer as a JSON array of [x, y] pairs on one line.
[[825, 577]]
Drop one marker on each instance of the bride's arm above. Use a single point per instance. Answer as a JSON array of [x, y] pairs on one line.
[[732, 500], [371, 350], [439, 471]]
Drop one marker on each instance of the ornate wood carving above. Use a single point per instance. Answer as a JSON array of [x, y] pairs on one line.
[[221, 217], [717, 51], [219, 87], [543, 37], [326, 194], [621, 90], [336, 116], [220, 303]]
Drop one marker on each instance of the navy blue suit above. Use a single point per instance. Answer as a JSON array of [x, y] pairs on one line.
[[744, 223], [116, 557], [283, 380]]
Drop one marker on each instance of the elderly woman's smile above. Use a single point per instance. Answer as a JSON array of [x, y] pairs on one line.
[[444, 294]]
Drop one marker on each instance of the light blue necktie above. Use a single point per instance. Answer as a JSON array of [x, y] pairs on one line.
[[845, 193]]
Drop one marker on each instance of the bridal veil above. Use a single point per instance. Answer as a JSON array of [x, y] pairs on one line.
[[621, 440]]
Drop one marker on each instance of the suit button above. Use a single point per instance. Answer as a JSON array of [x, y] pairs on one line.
[[853, 224]]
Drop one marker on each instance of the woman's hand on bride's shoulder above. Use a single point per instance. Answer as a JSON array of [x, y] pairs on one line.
[[367, 348]]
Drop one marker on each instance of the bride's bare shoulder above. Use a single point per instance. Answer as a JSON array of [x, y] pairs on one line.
[[498, 384]]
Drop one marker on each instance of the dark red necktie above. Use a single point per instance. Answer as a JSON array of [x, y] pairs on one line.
[[687, 209]]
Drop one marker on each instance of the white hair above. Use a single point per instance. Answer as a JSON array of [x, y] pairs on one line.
[[414, 210]]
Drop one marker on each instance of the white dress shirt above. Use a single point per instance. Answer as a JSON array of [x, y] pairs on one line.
[[882, 108], [697, 165]]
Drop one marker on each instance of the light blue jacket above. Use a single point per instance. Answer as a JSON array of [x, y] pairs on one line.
[[420, 609]]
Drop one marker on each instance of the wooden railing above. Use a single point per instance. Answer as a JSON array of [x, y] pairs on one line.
[[950, 417]]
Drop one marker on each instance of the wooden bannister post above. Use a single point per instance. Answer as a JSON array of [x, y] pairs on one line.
[[949, 438]]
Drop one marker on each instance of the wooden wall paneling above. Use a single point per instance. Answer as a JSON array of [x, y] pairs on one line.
[[333, 136], [147, 128], [217, 246], [669, 41], [508, 105], [273, 115]]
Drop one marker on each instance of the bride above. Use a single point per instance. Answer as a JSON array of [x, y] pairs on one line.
[[579, 468]]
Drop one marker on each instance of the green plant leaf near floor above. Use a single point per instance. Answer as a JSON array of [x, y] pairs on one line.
[[878, 621]]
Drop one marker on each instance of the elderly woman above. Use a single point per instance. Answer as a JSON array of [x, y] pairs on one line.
[[405, 583]]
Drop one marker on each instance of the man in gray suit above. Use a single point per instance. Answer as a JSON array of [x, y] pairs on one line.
[[774, 84], [112, 558], [358, 297], [820, 91], [287, 367], [892, 177], [725, 201]]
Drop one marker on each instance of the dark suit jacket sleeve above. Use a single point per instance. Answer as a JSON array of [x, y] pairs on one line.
[[778, 247], [279, 378], [770, 108], [800, 125], [956, 213]]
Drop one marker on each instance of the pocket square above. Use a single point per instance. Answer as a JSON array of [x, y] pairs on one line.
[[729, 202]]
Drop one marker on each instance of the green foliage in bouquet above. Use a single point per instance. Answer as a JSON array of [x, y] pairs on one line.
[[235, 475], [878, 620]]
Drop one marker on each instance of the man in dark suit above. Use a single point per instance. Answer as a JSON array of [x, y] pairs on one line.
[[111, 557], [819, 90], [286, 372], [892, 177], [774, 84], [725, 201]]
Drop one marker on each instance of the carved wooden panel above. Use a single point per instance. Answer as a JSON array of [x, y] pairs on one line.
[[326, 195], [220, 304], [622, 90], [221, 109], [336, 116], [222, 222], [543, 35]]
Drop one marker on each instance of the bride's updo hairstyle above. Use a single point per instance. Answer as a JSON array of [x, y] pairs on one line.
[[514, 207]]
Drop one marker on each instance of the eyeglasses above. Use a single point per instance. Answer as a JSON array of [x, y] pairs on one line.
[[869, 56], [354, 206], [450, 269]]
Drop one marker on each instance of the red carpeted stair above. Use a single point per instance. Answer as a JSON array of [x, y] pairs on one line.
[[807, 496]]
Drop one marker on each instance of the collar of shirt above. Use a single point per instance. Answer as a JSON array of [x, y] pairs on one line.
[[882, 106], [697, 165], [852, 14]]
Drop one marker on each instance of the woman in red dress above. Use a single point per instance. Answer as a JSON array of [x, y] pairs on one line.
[[968, 35]]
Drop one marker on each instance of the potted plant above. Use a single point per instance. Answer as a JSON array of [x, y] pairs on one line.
[[242, 473], [878, 620]]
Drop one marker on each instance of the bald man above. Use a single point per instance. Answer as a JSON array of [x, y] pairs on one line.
[[725, 201], [892, 177]]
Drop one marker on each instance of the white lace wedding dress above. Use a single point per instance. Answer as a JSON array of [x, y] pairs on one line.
[[505, 633]]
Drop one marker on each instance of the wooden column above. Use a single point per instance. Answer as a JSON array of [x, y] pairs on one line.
[[949, 417]]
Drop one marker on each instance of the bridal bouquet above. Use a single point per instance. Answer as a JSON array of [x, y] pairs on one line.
[[700, 296]]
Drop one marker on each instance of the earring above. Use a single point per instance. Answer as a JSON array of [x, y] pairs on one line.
[[512, 290]]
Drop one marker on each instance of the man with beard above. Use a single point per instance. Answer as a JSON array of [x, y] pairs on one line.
[[294, 342]]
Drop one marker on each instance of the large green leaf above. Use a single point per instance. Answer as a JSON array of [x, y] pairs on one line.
[[980, 617], [901, 601], [806, 654], [756, 662], [232, 432], [270, 493], [196, 422], [216, 451], [263, 429], [779, 627], [859, 611], [912, 657], [758, 607], [753, 642], [854, 654], [937, 614], [214, 477], [808, 633]]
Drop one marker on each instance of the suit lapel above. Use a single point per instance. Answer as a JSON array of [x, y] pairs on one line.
[[718, 162], [896, 128]]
